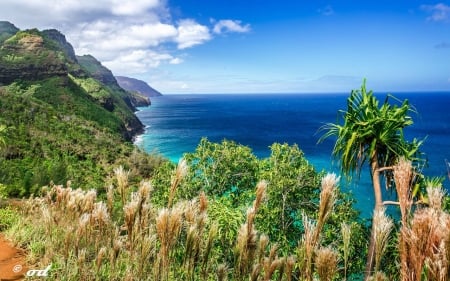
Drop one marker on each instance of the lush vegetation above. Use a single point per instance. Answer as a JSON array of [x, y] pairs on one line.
[[100, 209]]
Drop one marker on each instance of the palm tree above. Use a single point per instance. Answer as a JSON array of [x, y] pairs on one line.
[[374, 134]]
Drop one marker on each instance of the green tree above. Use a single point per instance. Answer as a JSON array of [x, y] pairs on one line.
[[292, 189], [225, 168], [374, 134]]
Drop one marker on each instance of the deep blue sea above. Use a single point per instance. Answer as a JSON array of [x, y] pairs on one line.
[[176, 123]]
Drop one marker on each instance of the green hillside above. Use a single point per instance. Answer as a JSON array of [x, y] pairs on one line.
[[63, 123]]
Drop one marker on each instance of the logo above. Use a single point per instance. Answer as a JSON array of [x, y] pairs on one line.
[[39, 272]]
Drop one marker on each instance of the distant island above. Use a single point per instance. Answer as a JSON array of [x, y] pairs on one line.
[[136, 85]]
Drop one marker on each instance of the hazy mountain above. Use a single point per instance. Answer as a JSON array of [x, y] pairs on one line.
[[136, 85]]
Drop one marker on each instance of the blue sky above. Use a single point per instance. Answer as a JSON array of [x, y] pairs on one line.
[[208, 46]]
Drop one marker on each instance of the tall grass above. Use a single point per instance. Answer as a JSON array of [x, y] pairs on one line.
[[126, 237]]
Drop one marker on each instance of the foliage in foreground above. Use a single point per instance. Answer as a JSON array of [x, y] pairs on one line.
[[88, 239], [85, 238]]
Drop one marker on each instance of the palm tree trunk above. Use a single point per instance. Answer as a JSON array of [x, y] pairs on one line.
[[374, 168]]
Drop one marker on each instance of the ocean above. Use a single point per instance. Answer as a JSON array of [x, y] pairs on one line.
[[176, 123]]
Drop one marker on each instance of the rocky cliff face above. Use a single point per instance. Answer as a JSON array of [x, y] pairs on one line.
[[97, 70], [60, 40], [24, 56]]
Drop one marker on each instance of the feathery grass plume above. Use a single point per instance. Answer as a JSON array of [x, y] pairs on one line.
[[328, 196], [88, 201], [271, 263], [130, 210], [418, 243], [180, 173], [256, 270], [261, 188], [326, 263], [427, 240], [122, 182], [435, 196], [382, 228], [403, 176], [168, 226], [117, 246], [246, 241], [346, 231], [212, 234], [98, 262], [289, 268], [222, 272], [81, 259], [306, 249], [203, 202], [192, 245], [262, 245], [100, 214], [380, 276], [246, 245], [437, 264], [190, 211], [147, 246], [110, 199], [271, 267]]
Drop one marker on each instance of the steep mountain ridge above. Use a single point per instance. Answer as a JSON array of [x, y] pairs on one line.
[[65, 122], [136, 85]]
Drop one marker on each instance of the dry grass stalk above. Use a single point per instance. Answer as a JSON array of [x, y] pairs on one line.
[[379, 276], [262, 245], [208, 249], [289, 268], [110, 199], [168, 227], [328, 195], [222, 272], [311, 236], [98, 262], [270, 266], [246, 241], [435, 196], [271, 263], [180, 173], [326, 263], [427, 241], [130, 210], [256, 270], [346, 231], [382, 228], [122, 182], [307, 247], [403, 176]]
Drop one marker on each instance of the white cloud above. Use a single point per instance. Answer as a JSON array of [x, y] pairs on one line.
[[133, 7], [175, 61], [230, 26], [190, 33], [439, 12], [127, 36], [138, 61]]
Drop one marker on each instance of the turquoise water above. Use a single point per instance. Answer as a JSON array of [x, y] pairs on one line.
[[176, 123]]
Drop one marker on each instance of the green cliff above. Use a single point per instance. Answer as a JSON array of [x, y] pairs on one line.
[[65, 120]]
